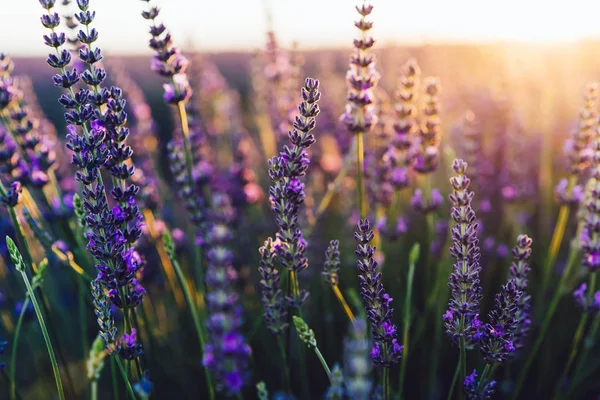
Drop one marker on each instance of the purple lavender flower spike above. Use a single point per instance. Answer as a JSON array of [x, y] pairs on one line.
[[497, 336], [272, 297], [471, 385], [579, 150], [386, 351], [360, 115], [168, 60], [98, 112], [430, 130], [461, 318], [519, 270], [287, 191], [227, 353], [405, 124]]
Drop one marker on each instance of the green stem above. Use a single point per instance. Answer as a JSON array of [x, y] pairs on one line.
[[45, 334], [588, 343], [94, 389], [323, 363], [124, 376], [407, 321], [463, 364], [197, 320], [557, 236], [286, 368], [546, 322], [483, 377], [386, 384], [113, 370], [454, 379], [360, 190], [13, 353]]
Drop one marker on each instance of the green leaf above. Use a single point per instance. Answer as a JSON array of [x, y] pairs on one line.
[[169, 243]]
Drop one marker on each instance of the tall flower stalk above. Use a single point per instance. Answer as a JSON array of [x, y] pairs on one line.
[[97, 135], [360, 116], [287, 191], [386, 351], [461, 318]]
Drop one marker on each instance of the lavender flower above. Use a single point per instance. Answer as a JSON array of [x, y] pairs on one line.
[[272, 298], [497, 336], [590, 241], [405, 124], [226, 354], [518, 271], [386, 350], [360, 115], [332, 263], [287, 191], [99, 113], [585, 302], [460, 319], [430, 134], [168, 60], [471, 384]]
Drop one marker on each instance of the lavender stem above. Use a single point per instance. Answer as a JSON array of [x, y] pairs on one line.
[[17, 259]]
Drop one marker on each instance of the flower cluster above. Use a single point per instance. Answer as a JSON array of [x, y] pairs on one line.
[[287, 191], [360, 115], [461, 318], [226, 354], [168, 60], [497, 336], [518, 271], [332, 263], [272, 298], [587, 303], [386, 350], [476, 390]]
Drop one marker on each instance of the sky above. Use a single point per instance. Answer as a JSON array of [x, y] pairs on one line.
[[224, 25]]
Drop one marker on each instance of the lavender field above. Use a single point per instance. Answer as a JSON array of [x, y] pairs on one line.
[[378, 221]]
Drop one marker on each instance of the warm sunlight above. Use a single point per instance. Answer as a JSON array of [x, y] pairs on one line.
[[399, 21]]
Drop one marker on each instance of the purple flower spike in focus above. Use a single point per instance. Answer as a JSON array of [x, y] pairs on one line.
[[386, 351], [461, 318], [519, 270], [476, 391], [286, 193]]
